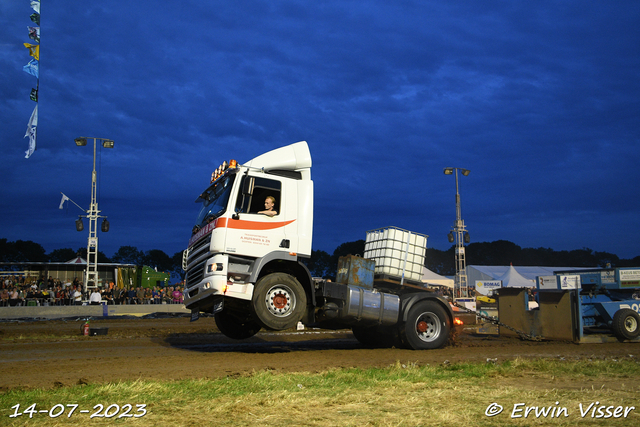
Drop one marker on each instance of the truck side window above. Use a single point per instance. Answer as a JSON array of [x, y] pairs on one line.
[[254, 203]]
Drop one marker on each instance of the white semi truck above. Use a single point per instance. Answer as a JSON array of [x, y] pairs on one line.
[[243, 263]]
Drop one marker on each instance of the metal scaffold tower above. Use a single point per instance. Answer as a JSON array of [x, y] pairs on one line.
[[460, 236]]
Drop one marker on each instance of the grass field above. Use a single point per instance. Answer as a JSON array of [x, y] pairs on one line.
[[516, 392]]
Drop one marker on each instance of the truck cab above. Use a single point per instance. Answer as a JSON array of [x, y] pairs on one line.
[[233, 246]]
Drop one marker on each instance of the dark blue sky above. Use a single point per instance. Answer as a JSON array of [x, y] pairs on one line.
[[540, 100]]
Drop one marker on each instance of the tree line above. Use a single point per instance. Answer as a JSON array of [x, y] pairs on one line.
[[323, 264], [25, 251], [499, 252]]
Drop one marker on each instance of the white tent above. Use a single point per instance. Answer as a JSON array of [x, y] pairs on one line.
[[513, 279], [431, 278]]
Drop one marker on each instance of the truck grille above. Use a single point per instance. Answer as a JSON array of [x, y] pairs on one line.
[[196, 261], [195, 274]]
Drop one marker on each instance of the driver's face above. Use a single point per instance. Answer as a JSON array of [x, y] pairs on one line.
[[268, 204]]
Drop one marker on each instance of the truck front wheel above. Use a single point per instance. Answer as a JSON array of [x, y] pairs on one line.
[[279, 301], [427, 326], [626, 324]]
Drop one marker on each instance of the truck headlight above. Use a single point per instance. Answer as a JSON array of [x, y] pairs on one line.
[[214, 267]]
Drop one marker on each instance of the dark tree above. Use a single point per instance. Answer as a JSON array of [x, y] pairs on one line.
[[441, 262], [319, 264], [500, 252], [26, 251], [62, 255], [176, 266], [158, 259], [82, 252], [129, 255]]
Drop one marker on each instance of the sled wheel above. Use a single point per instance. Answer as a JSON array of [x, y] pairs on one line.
[[626, 324]]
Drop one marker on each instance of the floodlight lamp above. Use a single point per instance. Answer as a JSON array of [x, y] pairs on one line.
[[450, 237], [79, 225], [81, 142], [107, 143], [465, 172], [448, 171], [467, 239]]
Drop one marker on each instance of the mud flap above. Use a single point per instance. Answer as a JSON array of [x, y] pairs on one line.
[[217, 307]]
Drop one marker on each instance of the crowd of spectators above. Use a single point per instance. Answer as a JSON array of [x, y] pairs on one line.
[[21, 291]]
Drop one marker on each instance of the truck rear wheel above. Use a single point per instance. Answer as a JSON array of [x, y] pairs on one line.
[[235, 328], [375, 337], [279, 301], [427, 326], [626, 324]]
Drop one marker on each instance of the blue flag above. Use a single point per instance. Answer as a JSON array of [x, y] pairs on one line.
[[32, 68]]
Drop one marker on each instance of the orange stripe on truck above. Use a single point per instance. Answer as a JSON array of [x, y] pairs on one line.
[[251, 225]]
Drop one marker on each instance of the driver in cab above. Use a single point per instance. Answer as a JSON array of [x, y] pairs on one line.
[[269, 203]]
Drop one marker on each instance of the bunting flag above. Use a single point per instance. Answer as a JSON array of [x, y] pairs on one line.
[[31, 132], [34, 34], [34, 50], [64, 199], [32, 68]]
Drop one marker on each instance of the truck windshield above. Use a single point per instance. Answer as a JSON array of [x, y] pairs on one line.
[[214, 200]]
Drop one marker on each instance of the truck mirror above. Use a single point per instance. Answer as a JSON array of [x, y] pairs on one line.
[[247, 187]]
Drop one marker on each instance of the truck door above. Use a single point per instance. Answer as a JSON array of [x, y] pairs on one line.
[[255, 233]]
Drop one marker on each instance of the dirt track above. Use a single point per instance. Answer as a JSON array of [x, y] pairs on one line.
[[50, 354]]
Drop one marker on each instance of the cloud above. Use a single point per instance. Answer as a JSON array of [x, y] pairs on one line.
[[539, 101]]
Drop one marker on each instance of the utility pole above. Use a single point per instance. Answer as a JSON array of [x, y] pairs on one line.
[[91, 277], [460, 235]]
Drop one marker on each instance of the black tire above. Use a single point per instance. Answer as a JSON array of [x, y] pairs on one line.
[[427, 326], [626, 324], [279, 301], [233, 327], [366, 335], [375, 336]]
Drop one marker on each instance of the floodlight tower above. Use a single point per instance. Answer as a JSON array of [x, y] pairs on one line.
[[460, 235], [91, 277]]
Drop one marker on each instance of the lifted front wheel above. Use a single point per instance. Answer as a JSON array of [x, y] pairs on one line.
[[279, 301]]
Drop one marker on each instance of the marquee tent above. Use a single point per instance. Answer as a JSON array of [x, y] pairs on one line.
[[512, 279], [431, 278]]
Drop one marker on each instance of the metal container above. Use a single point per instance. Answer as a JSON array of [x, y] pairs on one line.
[[356, 271], [371, 306]]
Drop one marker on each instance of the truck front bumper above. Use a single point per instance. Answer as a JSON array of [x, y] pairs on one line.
[[214, 286]]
